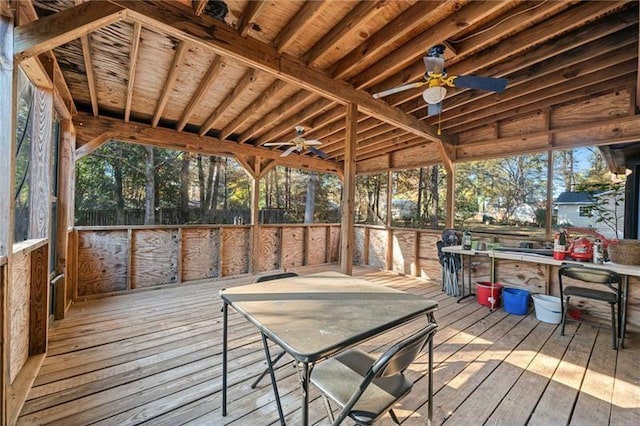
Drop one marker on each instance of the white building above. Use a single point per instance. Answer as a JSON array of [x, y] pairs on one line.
[[598, 211]]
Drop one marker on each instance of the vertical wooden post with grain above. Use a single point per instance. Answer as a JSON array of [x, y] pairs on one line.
[[347, 231]]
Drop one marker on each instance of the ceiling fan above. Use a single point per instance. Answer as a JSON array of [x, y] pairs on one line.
[[436, 79], [299, 144]]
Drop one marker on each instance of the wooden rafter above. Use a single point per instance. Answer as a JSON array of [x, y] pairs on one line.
[[215, 37], [273, 90], [251, 12], [242, 85], [181, 50], [359, 14], [300, 118], [199, 6], [213, 72], [296, 25], [294, 101], [416, 47], [406, 22], [133, 61], [88, 67]]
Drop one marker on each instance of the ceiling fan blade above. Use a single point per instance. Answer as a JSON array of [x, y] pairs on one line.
[[288, 151], [434, 64], [399, 89], [277, 143], [483, 83], [434, 109], [318, 152], [312, 142]]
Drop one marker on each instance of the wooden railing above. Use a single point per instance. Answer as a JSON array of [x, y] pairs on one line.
[[112, 260]]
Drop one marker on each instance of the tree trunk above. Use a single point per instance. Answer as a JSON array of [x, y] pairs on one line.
[[149, 188], [420, 191], [184, 188], [435, 197], [117, 175], [310, 205], [214, 182], [203, 207]]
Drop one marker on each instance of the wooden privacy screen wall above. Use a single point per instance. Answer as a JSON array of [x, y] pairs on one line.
[[111, 260]]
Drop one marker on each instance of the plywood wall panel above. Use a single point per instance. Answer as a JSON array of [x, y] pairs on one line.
[[334, 250], [154, 257], [18, 307], [404, 252], [269, 249], [292, 246], [200, 253], [235, 250], [317, 245], [102, 261], [378, 248], [526, 275], [428, 264]]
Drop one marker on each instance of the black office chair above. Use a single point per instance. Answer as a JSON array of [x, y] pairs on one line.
[[603, 277], [280, 354], [366, 388]]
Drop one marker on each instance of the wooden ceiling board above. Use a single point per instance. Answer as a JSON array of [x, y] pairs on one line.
[[575, 60], [195, 65], [273, 19], [155, 56], [110, 59]]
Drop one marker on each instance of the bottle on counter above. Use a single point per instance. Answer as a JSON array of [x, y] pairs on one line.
[[466, 240], [598, 252], [559, 245]]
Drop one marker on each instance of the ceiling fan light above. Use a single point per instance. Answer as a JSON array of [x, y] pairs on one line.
[[434, 95]]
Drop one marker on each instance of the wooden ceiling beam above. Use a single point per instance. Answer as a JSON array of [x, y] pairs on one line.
[[199, 6], [90, 128], [616, 83], [367, 134], [544, 69], [480, 116], [243, 84], [219, 38], [520, 44], [418, 46], [406, 22], [49, 32], [590, 42], [170, 81], [363, 12], [88, 68], [296, 24], [550, 81], [251, 12], [301, 118], [269, 93], [273, 117], [133, 62], [212, 73]]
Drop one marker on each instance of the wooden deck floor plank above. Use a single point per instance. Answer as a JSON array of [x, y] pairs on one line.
[[596, 392], [489, 394], [98, 358], [556, 404], [109, 370], [518, 404], [456, 391], [625, 409]]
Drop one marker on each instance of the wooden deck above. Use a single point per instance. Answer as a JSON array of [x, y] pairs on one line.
[[154, 357]]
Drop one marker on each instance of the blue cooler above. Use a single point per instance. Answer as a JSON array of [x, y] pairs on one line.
[[515, 301]]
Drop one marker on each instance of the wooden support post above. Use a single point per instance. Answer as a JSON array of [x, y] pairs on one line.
[[39, 301], [66, 197], [7, 140], [388, 222], [347, 231], [451, 197], [254, 265], [548, 216]]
